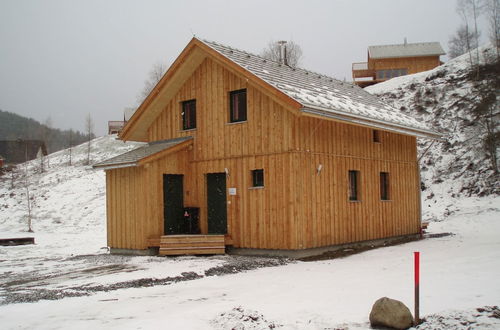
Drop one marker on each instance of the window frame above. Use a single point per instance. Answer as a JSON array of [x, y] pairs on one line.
[[353, 186], [185, 107], [385, 186], [256, 183], [234, 95], [376, 136]]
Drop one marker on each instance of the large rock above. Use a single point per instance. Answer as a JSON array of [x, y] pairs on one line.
[[390, 313]]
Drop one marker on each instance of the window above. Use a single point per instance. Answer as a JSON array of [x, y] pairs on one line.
[[353, 185], [238, 106], [384, 186], [376, 136], [390, 73], [189, 114], [258, 178]]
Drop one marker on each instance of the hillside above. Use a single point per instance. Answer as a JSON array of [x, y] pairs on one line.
[[45, 285], [453, 100], [14, 126]]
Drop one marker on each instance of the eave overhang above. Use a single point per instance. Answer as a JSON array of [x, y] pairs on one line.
[[369, 122]]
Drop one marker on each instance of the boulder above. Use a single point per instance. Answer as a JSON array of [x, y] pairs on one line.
[[390, 313]]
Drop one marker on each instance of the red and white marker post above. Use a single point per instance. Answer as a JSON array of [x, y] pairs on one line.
[[417, 287]]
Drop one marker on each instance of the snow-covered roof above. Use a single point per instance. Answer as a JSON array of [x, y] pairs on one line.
[[325, 96], [406, 50], [132, 157]]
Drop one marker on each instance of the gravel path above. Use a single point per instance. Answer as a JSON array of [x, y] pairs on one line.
[[31, 287]]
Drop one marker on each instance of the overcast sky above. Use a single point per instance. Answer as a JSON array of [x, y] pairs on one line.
[[64, 59]]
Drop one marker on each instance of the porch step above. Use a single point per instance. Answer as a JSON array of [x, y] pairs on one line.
[[191, 244]]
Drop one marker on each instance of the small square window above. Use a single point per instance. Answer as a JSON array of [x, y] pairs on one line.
[[188, 114], [238, 106], [354, 185], [384, 186], [376, 136], [258, 178]]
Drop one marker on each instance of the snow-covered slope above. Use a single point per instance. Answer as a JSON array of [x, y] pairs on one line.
[[455, 100], [67, 201], [459, 271]]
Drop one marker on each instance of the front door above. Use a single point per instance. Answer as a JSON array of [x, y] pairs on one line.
[[173, 204], [216, 203]]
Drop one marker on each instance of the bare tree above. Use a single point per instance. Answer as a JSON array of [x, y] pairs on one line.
[[70, 145], [492, 11], [470, 10], [461, 42], [48, 137], [156, 73], [27, 185], [487, 115], [89, 129], [287, 52]]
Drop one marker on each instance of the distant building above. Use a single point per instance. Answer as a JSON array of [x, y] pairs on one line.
[[19, 151], [389, 61], [115, 126]]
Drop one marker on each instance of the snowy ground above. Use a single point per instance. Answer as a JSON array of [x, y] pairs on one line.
[[459, 272]]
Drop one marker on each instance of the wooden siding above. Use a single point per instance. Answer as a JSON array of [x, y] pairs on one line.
[[413, 64], [298, 207], [267, 129], [134, 198]]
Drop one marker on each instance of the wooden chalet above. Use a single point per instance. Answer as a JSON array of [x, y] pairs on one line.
[[389, 61], [251, 154]]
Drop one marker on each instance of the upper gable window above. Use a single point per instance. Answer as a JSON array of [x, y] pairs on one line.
[[238, 106], [189, 114]]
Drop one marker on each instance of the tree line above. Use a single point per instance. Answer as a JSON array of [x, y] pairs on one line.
[[15, 127]]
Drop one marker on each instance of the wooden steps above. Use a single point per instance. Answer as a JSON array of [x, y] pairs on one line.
[[192, 244]]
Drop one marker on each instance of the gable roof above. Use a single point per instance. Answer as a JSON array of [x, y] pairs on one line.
[[325, 96], [310, 93], [406, 50], [140, 155]]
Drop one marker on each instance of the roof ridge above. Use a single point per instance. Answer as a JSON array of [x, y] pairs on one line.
[[275, 62], [409, 43]]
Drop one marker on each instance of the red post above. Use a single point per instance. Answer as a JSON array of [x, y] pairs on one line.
[[417, 287]]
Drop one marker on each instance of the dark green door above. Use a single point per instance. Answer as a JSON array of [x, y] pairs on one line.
[[173, 203], [216, 203]]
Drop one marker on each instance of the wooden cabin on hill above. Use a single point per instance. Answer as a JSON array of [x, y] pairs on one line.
[[389, 61], [251, 154]]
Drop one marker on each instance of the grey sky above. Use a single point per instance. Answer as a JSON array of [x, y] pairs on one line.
[[65, 59]]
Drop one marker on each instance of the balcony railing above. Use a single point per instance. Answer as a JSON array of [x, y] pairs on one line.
[[361, 70]]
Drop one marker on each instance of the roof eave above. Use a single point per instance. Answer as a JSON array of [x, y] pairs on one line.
[[114, 166], [370, 122]]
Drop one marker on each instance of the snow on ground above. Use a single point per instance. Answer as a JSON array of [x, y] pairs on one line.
[[459, 272]]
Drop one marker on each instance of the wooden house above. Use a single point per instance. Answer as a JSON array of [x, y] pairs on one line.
[[115, 126], [251, 154], [389, 61]]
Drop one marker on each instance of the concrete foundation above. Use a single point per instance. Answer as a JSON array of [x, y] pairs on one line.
[[305, 253], [131, 252]]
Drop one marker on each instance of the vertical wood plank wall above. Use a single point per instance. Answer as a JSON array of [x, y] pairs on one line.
[[413, 64], [298, 208]]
